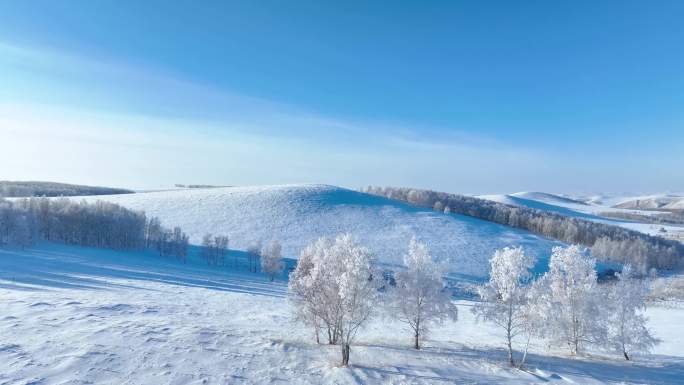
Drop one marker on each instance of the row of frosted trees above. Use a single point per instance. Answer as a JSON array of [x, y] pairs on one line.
[[268, 258], [9, 189], [607, 242], [108, 225], [336, 289], [566, 306], [99, 224]]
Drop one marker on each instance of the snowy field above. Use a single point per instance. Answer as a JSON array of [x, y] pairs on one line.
[[574, 208], [296, 215], [84, 316]]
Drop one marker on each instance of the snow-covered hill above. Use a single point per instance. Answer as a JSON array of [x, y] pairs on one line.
[[652, 202], [589, 210], [296, 215], [548, 198]]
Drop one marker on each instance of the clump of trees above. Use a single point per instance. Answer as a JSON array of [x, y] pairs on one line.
[[214, 249], [566, 306], [254, 255], [99, 224], [607, 242], [108, 225], [674, 217], [17, 226], [334, 287], [271, 260]]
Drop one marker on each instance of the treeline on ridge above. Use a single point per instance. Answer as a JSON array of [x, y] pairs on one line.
[[608, 243], [14, 189], [673, 217]]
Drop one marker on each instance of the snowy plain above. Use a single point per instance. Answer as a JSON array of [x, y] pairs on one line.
[[296, 215], [74, 315]]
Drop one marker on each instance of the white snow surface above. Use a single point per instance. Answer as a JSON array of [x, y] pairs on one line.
[[84, 316], [296, 215]]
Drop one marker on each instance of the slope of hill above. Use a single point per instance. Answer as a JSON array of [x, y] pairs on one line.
[[548, 198], [296, 215], [652, 202], [546, 202]]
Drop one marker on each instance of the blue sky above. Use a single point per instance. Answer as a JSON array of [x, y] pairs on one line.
[[473, 97]]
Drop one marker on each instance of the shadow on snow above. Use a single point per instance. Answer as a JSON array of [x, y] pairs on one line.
[[51, 265]]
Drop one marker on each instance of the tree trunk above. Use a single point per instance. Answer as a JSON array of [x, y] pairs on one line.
[[624, 351], [417, 336], [527, 345], [510, 351], [345, 354], [509, 337]]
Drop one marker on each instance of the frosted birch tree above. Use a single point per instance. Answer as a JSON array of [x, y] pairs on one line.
[[572, 300], [271, 260], [420, 297], [504, 297], [253, 255], [627, 323], [306, 290], [337, 284], [207, 252]]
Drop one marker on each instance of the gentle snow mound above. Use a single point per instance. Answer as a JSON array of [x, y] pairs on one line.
[[548, 198], [296, 215]]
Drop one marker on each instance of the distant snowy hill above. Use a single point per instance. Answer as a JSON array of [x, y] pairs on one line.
[[653, 202], [591, 209], [548, 198], [296, 215]]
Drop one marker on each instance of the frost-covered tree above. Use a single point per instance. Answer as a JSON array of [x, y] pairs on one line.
[[627, 323], [207, 252], [271, 260], [571, 299], [533, 316], [179, 244], [214, 249], [505, 296], [420, 297], [335, 283], [221, 247], [253, 255], [23, 234], [306, 290], [153, 231]]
